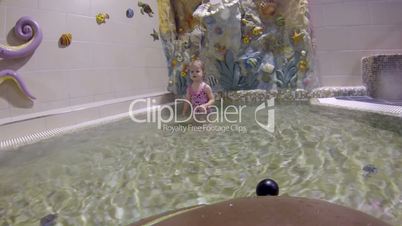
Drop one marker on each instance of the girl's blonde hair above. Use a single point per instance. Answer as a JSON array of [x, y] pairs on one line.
[[199, 62]]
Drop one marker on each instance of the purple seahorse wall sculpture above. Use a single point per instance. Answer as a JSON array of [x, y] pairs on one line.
[[28, 30], [12, 75]]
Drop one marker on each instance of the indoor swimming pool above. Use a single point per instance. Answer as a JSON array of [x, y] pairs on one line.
[[125, 171]]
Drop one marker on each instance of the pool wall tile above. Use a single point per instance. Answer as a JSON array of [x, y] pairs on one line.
[[3, 103], [45, 126], [346, 31], [332, 38], [353, 13], [20, 3], [2, 18], [104, 61], [28, 127], [55, 83], [80, 100], [341, 80], [4, 113], [80, 7], [71, 118], [386, 12], [119, 58], [52, 23]]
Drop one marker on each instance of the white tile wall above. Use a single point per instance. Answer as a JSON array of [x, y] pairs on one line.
[[5, 113], [2, 18], [52, 23], [346, 13], [54, 89], [20, 3], [347, 30], [342, 80], [333, 38], [81, 7], [386, 12], [28, 127], [107, 61], [120, 58], [4, 106]]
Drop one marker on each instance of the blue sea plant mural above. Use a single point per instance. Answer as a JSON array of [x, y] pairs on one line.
[[287, 76], [230, 77], [181, 83]]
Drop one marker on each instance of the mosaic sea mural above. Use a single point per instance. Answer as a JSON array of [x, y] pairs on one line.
[[263, 44]]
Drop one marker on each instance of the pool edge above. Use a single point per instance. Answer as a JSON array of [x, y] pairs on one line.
[[36, 129]]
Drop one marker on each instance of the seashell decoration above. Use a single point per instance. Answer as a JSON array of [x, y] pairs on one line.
[[65, 39]]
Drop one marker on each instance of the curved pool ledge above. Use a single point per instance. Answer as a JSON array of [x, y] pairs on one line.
[[264, 211], [31, 128]]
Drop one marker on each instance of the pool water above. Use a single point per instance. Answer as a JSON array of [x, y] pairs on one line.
[[125, 171]]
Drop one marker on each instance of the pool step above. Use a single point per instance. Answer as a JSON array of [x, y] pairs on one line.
[[383, 109]]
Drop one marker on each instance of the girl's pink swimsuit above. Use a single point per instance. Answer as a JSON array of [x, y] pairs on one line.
[[199, 98]]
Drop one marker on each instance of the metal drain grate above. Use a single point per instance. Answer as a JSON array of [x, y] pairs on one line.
[[15, 143]]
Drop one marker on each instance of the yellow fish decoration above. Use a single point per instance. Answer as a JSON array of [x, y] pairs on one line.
[[257, 31], [101, 18]]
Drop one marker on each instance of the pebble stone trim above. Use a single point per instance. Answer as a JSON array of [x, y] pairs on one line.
[[290, 95], [372, 66]]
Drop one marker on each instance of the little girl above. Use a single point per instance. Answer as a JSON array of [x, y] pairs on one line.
[[198, 93]]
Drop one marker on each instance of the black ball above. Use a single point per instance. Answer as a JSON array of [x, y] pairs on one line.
[[267, 187]]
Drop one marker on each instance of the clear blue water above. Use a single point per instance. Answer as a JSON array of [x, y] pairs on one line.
[[122, 172]]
